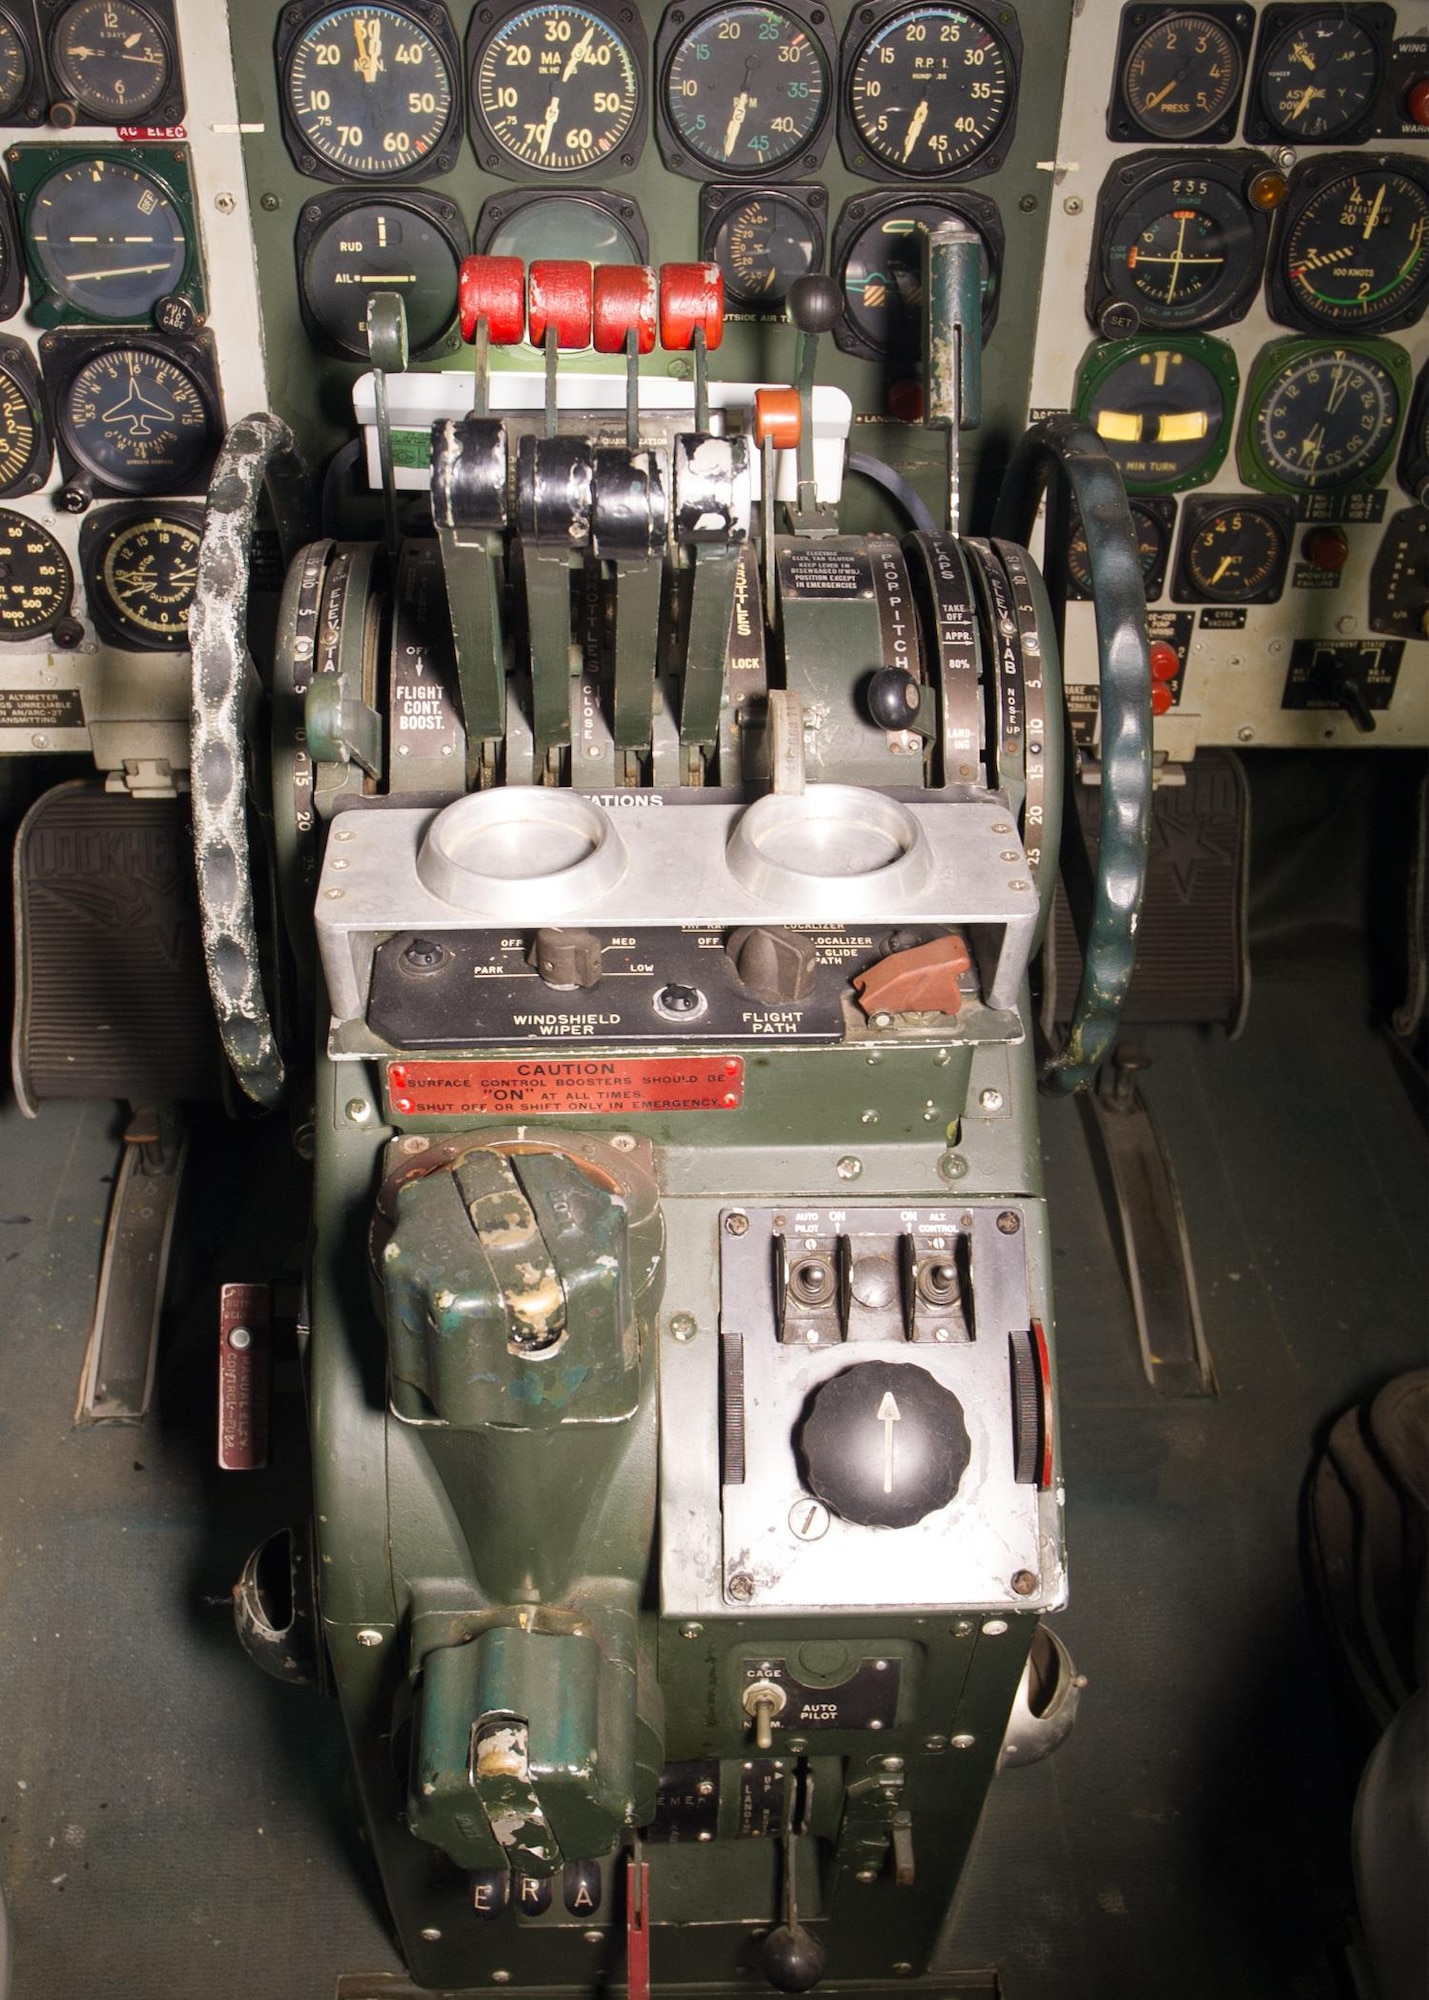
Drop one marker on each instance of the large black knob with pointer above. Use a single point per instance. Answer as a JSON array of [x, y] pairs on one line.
[[884, 1444]]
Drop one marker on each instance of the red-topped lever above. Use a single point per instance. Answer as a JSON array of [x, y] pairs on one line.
[[558, 316], [692, 318], [624, 311], [491, 307]]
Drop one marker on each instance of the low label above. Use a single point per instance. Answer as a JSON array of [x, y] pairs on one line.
[[1223, 618], [41, 708], [819, 572], [594, 1086]]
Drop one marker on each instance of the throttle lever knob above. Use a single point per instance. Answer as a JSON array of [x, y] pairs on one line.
[[894, 698], [623, 302], [558, 300], [691, 299], [493, 289]]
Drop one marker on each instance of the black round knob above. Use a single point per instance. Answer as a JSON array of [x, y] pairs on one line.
[[884, 1444], [893, 697], [792, 1960], [815, 303]]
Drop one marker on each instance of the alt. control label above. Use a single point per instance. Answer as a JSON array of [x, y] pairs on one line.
[[594, 1086]]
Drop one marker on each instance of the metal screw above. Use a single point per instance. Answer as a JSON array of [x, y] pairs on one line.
[[593, 1937], [1072, 205], [952, 1167], [993, 1628], [272, 203], [692, 1630], [867, 1875], [809, 1520], [240, 1338], [225, 203], [741, 1585], [682, 1325], [1245, 734], [736, 1225], [890, 1763], [990, 1100], [1285, 158], [963, 1629], [39, 742], [1024, 1582], [431, 1935], [849, 1167], [623, 1142], [902, 1968], [964, 1742], [414, 1145], [501, 1978], [705, 1788], [1027, 203], [935, 1743], [1009, 1222], [369, 1636], [868, 1118], [882, 1020], [358, 1110]]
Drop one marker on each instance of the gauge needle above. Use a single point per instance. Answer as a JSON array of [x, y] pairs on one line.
[[1312, 445], [1157, 95], [915, 126], [1303, 102], [117, 271], [578, 54], [369, 48], [1339, 386], [1301, 54], [553, 112], [1225, 563], [736, 121], [1374, 212]]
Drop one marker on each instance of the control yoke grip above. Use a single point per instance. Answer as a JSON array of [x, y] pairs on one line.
[[1065, 459]]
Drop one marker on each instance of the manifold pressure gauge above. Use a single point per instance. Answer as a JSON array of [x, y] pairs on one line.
[[930, 92], [762, 241], [140, 568], [36, 583], [1352, 244], [371, 92], [111, 59], [1177, 240], [1233, 551], [745, 89], [1163, 409], [1321, 416], [556, 88], [1179, 73]]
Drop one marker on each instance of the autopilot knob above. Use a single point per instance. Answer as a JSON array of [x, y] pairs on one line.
[[773, 963], [884, 1444]]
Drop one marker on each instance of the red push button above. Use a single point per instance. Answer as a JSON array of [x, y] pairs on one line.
[[623, 302], [558, 298], [1416, 101], [1161, 698], [493, 289], [691, 296], [1165, 660], [1326, 548]]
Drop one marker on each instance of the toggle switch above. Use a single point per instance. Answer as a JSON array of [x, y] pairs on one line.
[[763, 1700], [921, 981]]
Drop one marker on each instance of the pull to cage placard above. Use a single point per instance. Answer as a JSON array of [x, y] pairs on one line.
[[592, 1085]]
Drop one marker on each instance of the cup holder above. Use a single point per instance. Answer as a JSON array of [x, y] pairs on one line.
[[822, 843], [523, 852]]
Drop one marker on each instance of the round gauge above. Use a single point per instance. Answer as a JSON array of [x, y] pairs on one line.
[[1152, 534], [1178, 242], [882, 276], [929, 90], [1162, 411], [137, 419], [36, 582], [22, 437], [140, 573], [587, 228], [555, 88], [14, 69], [111, 58], [370, 246], [369, 90], [1234, 554], [1355, 251], [1325, 418], [762, 243], [107, 238], [1182, 76], [1414, 452], [1319, 77], [745, 88]]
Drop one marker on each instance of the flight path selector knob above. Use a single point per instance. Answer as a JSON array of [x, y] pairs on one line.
[[884, 1444]]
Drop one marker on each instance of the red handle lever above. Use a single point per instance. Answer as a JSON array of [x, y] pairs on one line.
[[558, 299], [691, 297], [493, 289], [623, 302]]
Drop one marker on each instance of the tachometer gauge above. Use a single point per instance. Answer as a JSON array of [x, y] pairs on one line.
[[135, 417], [24, 440], [762, 241], [1233, 551], [1153, 518], [140, 568], [878, 259], [1179, 73], [349, 246], [107, 240], [1177, 240], [1162, 408], [1320, 416], [111, 59], [36, 582], [370, 92], [745, 89], [556, 88], [1318, 73], [930, 92], [1352, 244]]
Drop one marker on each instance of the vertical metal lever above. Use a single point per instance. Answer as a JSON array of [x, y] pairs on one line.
[[387, 348], [953, 359]]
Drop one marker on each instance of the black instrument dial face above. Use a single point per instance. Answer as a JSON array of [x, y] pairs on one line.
[[140, 573], [1182, 76], [369, 90], [21, 436], [1325, 418], [107, 238], [137, 419], [746, 89], [380, 246], [1152, 535], [1161, 413], [882, 278], [1319, 77], [762, 243], [587, 228], [555, 89], [14, 69], [1235, 554], [112, 58], [1356, 252], [36, 582], [1177, 241], [930, 90]]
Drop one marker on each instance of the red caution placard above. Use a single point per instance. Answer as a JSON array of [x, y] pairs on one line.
[[565, 1086]]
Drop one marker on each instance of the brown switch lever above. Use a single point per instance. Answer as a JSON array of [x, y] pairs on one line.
[[923, 980]]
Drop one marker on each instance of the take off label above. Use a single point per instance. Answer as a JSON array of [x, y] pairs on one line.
[[542, 1086]]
